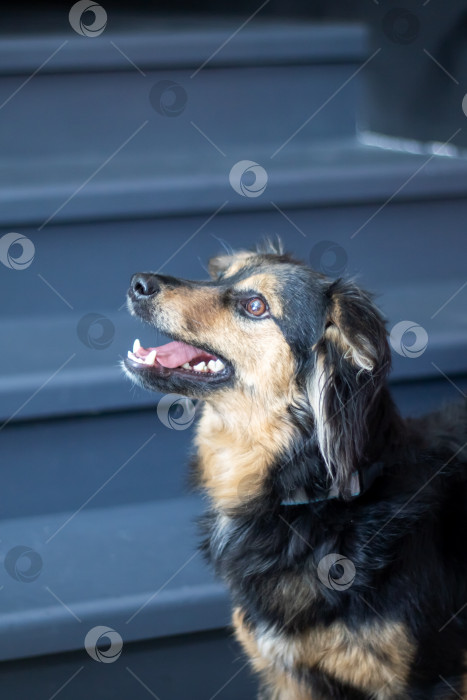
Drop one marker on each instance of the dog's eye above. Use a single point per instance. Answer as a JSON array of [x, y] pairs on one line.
[[255, 307]]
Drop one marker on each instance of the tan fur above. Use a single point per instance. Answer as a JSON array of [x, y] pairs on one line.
[[280, 685], [269, 287], [283, 687], [247, 639], [358, 358], [356, 348], [234, 456], [187, 311], [375, 658], [241, 431], [259, 349], [229, 264]]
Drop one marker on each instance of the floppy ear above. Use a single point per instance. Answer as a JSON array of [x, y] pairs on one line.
[[352, 361]]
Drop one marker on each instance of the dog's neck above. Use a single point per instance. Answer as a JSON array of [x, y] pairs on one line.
[[238, 439]]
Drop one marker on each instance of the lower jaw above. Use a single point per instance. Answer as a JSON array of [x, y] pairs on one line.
[[162, 379]]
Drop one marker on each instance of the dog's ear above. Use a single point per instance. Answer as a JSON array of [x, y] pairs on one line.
[[352, 359], [219, 265]]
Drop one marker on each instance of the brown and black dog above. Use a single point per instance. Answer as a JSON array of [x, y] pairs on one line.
[[339, 528]]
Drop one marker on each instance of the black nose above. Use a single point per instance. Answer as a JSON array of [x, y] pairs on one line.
[[145, 284]]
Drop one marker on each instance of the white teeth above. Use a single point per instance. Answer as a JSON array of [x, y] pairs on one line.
[[151, 358], [215, 366], [135, 358]]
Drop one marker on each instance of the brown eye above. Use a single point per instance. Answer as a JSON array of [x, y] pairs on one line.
[[256, 307]]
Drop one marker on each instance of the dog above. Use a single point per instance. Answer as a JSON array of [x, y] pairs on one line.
[[339, 527]]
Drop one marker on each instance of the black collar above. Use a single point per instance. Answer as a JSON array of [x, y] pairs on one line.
[[360, 481]]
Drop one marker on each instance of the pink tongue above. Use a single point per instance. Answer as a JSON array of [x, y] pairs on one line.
[[175, 354]]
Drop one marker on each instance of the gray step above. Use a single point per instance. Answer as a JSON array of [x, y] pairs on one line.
[[89, 108], [194, 178], [134, 568], [186, 42], [201, 666], [102, 461]]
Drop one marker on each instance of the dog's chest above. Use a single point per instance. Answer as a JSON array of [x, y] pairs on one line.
[[375, 659]]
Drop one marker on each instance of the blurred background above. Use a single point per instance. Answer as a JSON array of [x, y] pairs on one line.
[[148, 137]]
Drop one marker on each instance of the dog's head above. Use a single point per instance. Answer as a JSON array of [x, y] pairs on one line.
[[276, 333]]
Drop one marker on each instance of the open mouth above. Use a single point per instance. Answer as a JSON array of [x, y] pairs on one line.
[[180, 359]]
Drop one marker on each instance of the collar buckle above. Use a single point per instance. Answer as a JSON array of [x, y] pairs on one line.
[[360, 481]]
